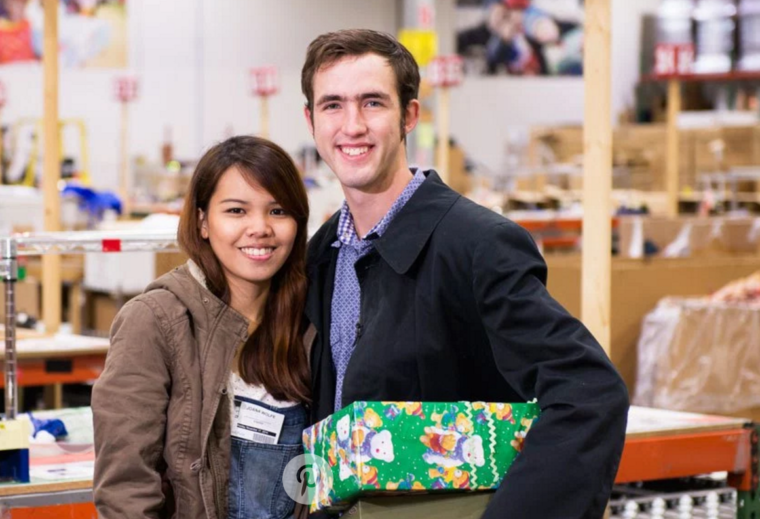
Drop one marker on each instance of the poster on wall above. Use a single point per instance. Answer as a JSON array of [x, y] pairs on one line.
[[520, 37], [91, 33]]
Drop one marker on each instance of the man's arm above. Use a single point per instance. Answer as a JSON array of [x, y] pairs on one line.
[[571, 455]]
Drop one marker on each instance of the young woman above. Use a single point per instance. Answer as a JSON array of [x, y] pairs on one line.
[[201, 403]]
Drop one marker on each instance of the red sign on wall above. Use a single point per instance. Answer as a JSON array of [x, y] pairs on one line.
[[446, 71], [126, 89], [670, 59], [264, 81]]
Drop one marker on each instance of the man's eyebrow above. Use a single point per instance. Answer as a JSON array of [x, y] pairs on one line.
[[331, 98], [373, 95]]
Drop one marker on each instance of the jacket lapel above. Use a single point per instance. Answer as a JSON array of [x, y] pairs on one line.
[[410, 230]]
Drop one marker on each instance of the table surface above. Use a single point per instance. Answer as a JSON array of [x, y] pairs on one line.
[[31, 346]]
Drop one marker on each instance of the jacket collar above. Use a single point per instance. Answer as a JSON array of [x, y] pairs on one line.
[[409, 231], [188, 284]]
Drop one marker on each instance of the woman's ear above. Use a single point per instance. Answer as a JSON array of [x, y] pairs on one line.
[[203, 224]]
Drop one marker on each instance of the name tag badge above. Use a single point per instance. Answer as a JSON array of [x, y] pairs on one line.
[[257, 424]]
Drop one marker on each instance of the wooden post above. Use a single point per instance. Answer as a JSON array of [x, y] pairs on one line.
[[672, 144], [264, 122], [264, 82], [124, 183], [597, 173], [51, 263], [443, 118], [444, 72], [2, 141]]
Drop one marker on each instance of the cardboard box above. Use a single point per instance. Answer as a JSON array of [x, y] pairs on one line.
[[637, 287], [699, 356], [27, 299]]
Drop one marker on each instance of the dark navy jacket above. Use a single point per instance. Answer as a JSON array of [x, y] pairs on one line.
[[454, 307]]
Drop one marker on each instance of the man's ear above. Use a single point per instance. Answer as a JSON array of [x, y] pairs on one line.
[[203, 224], [412, 113], [309, 120]]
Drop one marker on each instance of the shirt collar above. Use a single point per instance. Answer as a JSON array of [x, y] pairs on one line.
[[347, 231]]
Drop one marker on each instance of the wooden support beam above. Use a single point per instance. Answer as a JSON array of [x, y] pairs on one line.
[[264, 117], [125, 184], [443, 118], [671, 153], [51, 263], [597, 173]]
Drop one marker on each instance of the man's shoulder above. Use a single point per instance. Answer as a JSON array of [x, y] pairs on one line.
[[470, 220]]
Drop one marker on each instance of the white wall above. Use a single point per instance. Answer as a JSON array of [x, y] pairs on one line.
[[193, 56]]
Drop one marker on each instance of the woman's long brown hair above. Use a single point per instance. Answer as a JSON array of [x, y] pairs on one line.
[[274, 355]]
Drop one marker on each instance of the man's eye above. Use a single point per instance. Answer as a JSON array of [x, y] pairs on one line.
[[374, 103], [332, 106]]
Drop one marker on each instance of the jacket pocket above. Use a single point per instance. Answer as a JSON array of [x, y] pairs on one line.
[[256, 485]]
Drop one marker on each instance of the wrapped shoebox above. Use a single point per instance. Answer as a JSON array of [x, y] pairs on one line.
[[380, 448]]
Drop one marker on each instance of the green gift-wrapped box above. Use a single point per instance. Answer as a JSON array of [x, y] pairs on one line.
[[377, 448]]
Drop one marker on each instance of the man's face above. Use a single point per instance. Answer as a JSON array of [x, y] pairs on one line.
[[356, 122]]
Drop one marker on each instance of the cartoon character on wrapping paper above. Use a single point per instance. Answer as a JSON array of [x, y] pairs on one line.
[[519, 440], [405, 484], [369, 444], [332, 457], [343, 448], [451, 477], [324, 485], [369, 477], [450, 420], [411, 408], [502, 412], [451, 448], [363, 444]]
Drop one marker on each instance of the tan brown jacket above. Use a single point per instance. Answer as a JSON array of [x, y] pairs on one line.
[[160, 412]]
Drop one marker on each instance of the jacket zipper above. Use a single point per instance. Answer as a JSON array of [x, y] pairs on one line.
[[208, 459]]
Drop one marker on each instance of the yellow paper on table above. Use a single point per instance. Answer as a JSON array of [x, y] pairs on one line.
[[14, 434], [423, 44]]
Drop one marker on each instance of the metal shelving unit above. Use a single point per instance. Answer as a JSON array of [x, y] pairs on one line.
[[38, 244]]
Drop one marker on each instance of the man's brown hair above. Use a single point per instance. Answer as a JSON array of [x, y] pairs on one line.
[[331, 47]]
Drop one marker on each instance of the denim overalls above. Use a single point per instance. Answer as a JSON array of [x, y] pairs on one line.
[[256, 490]]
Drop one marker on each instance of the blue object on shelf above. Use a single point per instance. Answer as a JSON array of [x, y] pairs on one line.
[[92, 201], [53, 425]]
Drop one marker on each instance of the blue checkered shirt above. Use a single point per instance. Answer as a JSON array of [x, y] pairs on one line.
[[346, 300]]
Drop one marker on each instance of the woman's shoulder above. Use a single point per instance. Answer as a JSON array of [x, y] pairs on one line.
[[155, 308]]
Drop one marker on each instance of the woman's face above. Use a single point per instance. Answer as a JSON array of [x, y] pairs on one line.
[[249, 232]]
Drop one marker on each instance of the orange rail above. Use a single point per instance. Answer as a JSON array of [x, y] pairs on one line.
[[646, 459], [78, 511], [61, 370]]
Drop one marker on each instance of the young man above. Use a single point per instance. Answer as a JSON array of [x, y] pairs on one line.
[[419, 294]]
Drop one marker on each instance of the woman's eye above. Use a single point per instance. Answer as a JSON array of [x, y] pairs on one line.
[[279, 212], [235, 210]]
